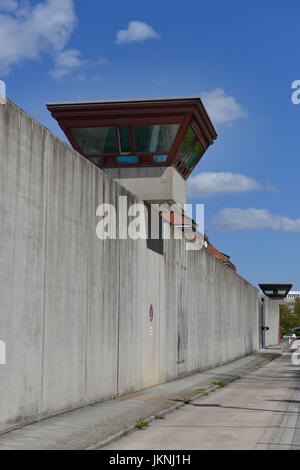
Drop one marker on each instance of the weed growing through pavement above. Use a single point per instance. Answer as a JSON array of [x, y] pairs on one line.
[[220, 383], [141, 423]]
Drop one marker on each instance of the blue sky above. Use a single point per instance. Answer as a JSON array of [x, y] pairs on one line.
[[241, 56]]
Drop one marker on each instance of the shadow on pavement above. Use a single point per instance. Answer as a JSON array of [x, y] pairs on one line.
[[216, 405]]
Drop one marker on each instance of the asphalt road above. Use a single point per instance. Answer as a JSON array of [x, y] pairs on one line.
[[258, 411]]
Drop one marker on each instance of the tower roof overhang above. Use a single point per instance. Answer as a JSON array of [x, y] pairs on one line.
[[276, 291], [141, 132]]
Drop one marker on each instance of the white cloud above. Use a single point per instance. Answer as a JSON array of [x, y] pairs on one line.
[[28, 31], [67, 62], [137, 31], [231, 219], [208, 184], [221, 108]]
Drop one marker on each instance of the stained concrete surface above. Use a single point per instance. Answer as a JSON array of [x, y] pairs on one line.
[[91, 426], [260, 411], [74, 309]]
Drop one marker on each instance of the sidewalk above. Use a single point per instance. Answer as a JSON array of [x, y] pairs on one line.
[[97, 425], [261, 411]]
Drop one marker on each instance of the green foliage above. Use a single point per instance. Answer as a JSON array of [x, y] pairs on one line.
[[289, 319], [297, 311], [220, 383], [141, 423]]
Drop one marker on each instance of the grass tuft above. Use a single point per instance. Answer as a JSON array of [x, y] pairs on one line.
[[141, 423], [220, 383]]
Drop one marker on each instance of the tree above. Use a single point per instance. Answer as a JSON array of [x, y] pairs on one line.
[[297, 312], [288, 319]]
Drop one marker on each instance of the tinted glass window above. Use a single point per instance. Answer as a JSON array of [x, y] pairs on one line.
[[187, 142], [195, 155], [124, 139], [96, 140], [160, 158], [157, 138]]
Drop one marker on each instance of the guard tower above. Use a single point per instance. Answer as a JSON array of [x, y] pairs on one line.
[[150, 145], [276, 291]]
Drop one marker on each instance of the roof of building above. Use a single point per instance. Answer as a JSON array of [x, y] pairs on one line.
[[131, 100]]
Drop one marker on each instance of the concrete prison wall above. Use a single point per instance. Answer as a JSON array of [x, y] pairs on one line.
[[74, 310]]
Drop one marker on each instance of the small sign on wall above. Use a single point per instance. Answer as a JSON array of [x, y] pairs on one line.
[[151, 313]]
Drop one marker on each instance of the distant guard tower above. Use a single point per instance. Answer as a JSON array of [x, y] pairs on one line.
[[276, 291], [150, 146]]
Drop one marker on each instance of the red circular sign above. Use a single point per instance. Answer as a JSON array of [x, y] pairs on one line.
[[151, 313]]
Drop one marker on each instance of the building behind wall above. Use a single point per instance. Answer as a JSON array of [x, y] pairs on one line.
[[290, 300]]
